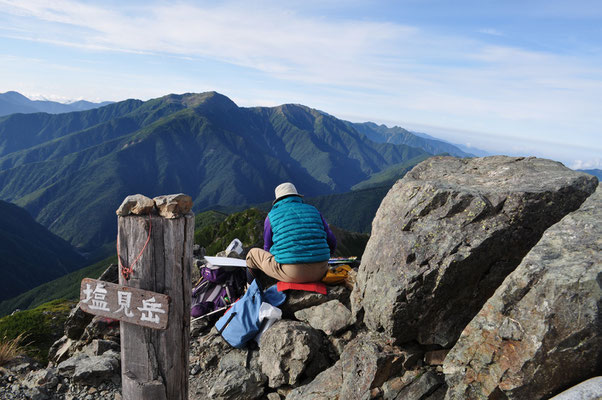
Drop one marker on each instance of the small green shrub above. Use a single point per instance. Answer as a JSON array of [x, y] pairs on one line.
[[42, 326]]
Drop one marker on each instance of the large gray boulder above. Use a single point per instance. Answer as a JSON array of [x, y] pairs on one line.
[[219, 371], [540, 332], [367, 362], [291, 352], [449, 232], [96, 369], [45, 380], [67, 367], [330, 317], [234, 382]]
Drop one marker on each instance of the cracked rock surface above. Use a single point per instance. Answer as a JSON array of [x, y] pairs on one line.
[[449, 232], [540, 333]]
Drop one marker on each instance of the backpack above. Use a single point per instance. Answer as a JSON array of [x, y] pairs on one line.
[[241, 323], [217, 289]]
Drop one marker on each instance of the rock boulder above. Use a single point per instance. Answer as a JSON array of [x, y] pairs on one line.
[[96, 369], [290, 352], [540, 333], [367, 362], [219, 371], [449, 232], [330, 317]]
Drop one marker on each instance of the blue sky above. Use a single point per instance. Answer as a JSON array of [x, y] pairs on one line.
[[511, 77]]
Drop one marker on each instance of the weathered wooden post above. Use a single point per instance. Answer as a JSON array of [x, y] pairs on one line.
[[156, 255]]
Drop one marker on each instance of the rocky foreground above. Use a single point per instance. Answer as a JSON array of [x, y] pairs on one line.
[[482, 280]]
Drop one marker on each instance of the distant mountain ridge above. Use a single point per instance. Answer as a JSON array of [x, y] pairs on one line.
[[29, 253], [397, 135], [200, 144], [14, 102], [466, 148]]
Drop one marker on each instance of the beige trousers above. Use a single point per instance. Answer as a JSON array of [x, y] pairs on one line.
[[297, 273]]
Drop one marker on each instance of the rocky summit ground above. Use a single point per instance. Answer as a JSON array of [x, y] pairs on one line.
[[481, 280]]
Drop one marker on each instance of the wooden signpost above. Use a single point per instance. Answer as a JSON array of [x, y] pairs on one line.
[[152, 301]]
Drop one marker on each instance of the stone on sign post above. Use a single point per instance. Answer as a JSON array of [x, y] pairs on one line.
[[173, 205], [124, 303], [136, 204]]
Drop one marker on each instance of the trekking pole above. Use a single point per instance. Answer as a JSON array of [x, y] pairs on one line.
[[211, 313]]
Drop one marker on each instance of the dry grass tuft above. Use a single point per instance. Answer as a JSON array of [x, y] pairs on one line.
[[11, 348]]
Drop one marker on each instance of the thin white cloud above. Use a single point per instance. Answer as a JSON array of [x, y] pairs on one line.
[[491, 31], [594, 163], [271, 39]]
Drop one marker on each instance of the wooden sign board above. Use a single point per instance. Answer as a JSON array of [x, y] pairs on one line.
[[136, 306]]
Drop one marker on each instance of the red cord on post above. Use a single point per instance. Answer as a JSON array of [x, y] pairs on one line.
[[126, 272]]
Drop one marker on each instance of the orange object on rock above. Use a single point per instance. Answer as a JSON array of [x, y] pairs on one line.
[[336, 276]]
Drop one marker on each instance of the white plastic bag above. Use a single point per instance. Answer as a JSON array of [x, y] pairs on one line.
[[234, 246], [269, 313]]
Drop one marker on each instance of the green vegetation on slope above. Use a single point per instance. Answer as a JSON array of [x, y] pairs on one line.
[[42, 326], [353, 211], [247, 226], [29, 253], [66, 287], [390, 175], [349, 244], [203, 219]]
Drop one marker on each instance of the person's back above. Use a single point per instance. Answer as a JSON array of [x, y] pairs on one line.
[[297, 240], [298, 233]]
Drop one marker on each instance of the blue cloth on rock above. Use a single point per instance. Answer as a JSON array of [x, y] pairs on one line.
[[240, 323]]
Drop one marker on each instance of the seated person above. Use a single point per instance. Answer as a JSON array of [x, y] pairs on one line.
[[297, 240]]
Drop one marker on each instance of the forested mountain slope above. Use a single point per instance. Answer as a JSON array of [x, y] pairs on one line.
[[29, 253], [71, 171]]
